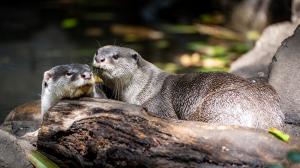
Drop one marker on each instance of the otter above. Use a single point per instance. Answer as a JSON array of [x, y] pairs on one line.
[[67, 81], [215, 97]]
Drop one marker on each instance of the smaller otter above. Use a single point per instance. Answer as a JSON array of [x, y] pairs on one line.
[[67, 81], [209, 97]]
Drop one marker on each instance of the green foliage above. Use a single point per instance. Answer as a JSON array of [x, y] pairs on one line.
[[210, 50], [40, 161], [224, 69], [240, 48], [69, 23], [162, 44], [212, 18], [169, 67], [183, 29]]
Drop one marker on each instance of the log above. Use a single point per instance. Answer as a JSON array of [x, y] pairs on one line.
[[106, 133]]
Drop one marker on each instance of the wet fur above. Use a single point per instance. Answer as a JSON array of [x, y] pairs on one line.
[[209, 97]]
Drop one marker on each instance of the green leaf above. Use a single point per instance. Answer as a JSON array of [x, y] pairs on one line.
[[69, 23], [240, 48], [279, 134], [40, 161], [294, 156]]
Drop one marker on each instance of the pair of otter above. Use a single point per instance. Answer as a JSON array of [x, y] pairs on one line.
[[220, 98]]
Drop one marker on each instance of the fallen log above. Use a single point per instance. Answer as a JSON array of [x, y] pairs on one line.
[[106, 133]]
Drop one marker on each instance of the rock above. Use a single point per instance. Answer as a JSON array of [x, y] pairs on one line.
[[23, 119], [256, 15], [285, 77], [13, 151], [296, 11], [256, 62]]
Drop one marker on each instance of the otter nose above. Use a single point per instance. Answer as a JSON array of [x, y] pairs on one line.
[[86, 75], [98, 60]]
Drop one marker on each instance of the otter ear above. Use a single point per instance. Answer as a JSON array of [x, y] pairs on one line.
[[86, 65], [47, 75], [135, 56]]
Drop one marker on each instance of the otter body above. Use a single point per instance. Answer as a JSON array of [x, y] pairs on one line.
[[209, 97], [217, 98]]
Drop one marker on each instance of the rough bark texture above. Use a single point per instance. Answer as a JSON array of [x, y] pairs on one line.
[[107, 133]]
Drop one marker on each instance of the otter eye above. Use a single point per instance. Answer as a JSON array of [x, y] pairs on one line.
[[45, 84], [115, 57], [69, 73]]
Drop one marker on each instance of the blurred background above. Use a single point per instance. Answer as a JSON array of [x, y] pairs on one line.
[[176, 35]]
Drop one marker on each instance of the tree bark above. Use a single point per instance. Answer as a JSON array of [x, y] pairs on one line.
[[107, 133]]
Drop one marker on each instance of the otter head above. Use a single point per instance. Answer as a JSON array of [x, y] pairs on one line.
[[116, 63], [65, 81]]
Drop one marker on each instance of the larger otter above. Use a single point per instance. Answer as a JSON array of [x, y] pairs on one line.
[[209, 97]]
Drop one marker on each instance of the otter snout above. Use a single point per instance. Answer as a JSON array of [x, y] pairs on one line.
[[86, 75], [98, 60]]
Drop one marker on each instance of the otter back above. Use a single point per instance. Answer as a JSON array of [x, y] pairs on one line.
[[218, 98]]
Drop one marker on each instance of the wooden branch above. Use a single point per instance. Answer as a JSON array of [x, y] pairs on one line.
[[107, 133]]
